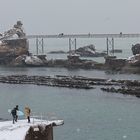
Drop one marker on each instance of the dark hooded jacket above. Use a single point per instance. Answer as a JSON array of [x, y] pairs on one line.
[[14, 112]]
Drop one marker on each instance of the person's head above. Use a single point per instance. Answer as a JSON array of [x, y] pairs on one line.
[[16, 106]]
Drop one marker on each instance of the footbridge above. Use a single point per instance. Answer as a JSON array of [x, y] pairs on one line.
[[120, 35], [73, 39]]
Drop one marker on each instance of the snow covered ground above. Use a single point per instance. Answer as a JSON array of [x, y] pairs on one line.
[[17, 131]]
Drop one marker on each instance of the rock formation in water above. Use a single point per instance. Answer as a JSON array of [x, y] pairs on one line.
[[135, 59], [13, 43], [88, 51], [136, 49], [128, 87]]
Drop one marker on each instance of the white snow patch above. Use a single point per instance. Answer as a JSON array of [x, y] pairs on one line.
[[17, 131], [33, 60], [36, 129], [124, 137]]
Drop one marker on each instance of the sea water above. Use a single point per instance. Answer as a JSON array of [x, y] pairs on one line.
[[62, 44], [87, 114]]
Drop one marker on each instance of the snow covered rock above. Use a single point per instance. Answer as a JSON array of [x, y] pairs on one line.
[[37, 129], [33, 61], [88, 51], [134, 60]]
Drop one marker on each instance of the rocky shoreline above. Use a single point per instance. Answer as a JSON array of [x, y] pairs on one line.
[[127, 87], [14, 51]]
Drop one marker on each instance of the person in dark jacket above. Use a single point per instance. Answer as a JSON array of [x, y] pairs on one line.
[[14, 113]]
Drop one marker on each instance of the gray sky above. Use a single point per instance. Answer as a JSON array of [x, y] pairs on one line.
[[72, 16]]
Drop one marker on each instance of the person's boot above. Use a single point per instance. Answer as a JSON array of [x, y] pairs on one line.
[[28, 120]]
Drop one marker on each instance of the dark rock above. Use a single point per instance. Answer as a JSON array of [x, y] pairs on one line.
[[127, 87], [40, 132], [113, 63], [11, 48], [136, 49], [57, 52], [88, 51], [116, 51], [134, 60], [135, 91]]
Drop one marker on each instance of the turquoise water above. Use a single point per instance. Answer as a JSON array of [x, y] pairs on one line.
[[87, 114]]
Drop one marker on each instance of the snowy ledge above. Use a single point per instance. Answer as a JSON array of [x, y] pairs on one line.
[[20, 129]]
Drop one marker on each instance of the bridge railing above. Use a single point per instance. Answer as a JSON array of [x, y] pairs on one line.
[[135, 35]]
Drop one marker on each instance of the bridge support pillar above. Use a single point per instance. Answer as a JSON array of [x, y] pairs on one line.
[[39, 44], [110, 43], [72, 42]]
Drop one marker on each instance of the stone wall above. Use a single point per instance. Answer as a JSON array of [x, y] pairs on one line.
[[114, 63], [40, 132]]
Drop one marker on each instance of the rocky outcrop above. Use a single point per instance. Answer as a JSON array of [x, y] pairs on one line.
[[29, 60], [88, 51], [73, 61], [13, 43], [57, 52], [126, 91], [116, 51], [40, 132], [128, 87], [113, 63], [58, 81], [33, 61], [136, 49], [134, 60], [13, 47]]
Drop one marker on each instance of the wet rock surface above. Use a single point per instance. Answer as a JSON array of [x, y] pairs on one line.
[[128, 87], [135, 91], [58, 81], [89, 51]]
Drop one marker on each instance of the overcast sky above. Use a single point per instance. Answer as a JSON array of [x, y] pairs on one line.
[[71, 16]]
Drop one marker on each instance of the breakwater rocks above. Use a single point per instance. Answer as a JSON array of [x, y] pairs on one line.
[[128, 87], [58, 81], [126, 91], [111, 64]]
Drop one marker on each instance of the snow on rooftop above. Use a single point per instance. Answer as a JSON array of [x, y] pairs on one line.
[[17, 131]]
